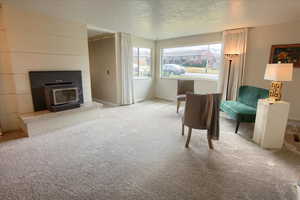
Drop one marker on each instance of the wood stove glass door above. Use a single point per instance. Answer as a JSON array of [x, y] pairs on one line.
[[65, 95]]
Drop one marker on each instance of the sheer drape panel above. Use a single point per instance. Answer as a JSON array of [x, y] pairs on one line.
[[234, 42], [126, 63]]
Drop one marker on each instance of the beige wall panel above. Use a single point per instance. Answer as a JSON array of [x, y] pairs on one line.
[[46, 44], [22, 83], [5, 63], [9, 122], [8, 104], [36, 42], [86, 85], [7, 84], [3, 40], [35, 23], [24, 62], [25, 104]]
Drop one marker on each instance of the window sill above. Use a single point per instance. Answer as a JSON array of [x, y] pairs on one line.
[[142, 78], [192, 78]]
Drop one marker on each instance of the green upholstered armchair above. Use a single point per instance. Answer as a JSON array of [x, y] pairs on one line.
[[244, 109]]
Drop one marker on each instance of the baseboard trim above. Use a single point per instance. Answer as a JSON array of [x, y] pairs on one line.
[[144, 99], [164, 99], [105, 102]]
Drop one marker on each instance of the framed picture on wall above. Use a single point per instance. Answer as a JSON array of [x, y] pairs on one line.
[[286, 53]]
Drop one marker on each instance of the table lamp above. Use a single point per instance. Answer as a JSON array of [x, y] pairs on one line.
[[278, 73]]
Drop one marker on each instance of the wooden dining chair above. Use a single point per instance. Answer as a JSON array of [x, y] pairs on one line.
[[183, 87], [202, 112]]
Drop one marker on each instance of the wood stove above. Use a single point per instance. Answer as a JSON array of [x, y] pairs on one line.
[[56, 90], [61, 96]]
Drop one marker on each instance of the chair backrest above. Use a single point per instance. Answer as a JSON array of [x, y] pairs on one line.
[[250, 95], [185, 86], [198, 109]]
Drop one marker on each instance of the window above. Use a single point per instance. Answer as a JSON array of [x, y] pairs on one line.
[[191, 62], [142, 62]]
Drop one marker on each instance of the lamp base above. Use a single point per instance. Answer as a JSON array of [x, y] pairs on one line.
[[275, 91]]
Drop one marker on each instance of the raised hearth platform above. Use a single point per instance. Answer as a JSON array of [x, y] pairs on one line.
[[45, 121]]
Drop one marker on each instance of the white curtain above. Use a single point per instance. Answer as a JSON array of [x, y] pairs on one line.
[[234, 41], [126, 63]]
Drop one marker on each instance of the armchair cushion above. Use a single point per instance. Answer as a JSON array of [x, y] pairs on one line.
[[239, 110], [244, 109]]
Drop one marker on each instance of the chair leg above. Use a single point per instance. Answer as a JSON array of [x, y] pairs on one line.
[[178, 105], [210, 144], [237, 126], [182, 129], [188, 138]]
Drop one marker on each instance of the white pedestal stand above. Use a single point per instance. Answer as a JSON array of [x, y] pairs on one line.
[[270, 123]]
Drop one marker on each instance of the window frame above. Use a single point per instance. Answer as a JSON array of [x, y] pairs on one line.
[[151, 64], [187, 45]]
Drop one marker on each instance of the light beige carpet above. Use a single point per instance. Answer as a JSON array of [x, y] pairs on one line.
[[137, 152]]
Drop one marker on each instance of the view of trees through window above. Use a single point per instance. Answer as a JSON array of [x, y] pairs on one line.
[[142, 62], [195, 61]]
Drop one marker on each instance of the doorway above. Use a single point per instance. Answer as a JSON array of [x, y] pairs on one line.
[[103, 66]]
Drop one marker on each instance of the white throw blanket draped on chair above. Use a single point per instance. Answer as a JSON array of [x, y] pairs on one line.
[[234, 41], [126, 63]]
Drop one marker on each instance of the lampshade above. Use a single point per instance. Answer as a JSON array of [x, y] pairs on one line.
[[279, 72], [231, 54]]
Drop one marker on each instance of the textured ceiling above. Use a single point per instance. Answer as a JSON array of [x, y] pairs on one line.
[[161, 19]]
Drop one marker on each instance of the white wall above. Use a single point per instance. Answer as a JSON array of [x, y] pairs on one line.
[[103, 69], [36, 42], [167, 88], [259, 45], [144, 88]]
